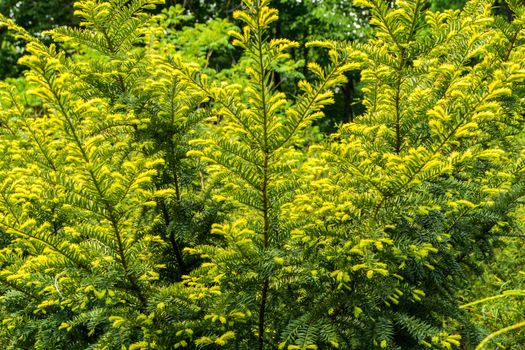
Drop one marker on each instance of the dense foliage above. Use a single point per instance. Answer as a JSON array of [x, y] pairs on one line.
[[35, 16], [165, 185]]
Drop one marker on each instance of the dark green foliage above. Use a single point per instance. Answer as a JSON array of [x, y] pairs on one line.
[[35, 16]]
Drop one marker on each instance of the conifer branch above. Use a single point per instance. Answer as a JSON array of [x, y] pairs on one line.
[[310, 100], [53, 246], [101, 193], [227, 105], [266, 154], [16, 287]]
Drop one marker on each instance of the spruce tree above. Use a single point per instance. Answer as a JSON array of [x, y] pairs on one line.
[[405, 201], [94, 181], [253, 152]]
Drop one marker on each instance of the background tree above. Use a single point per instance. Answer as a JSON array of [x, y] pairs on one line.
[[34, 16]]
